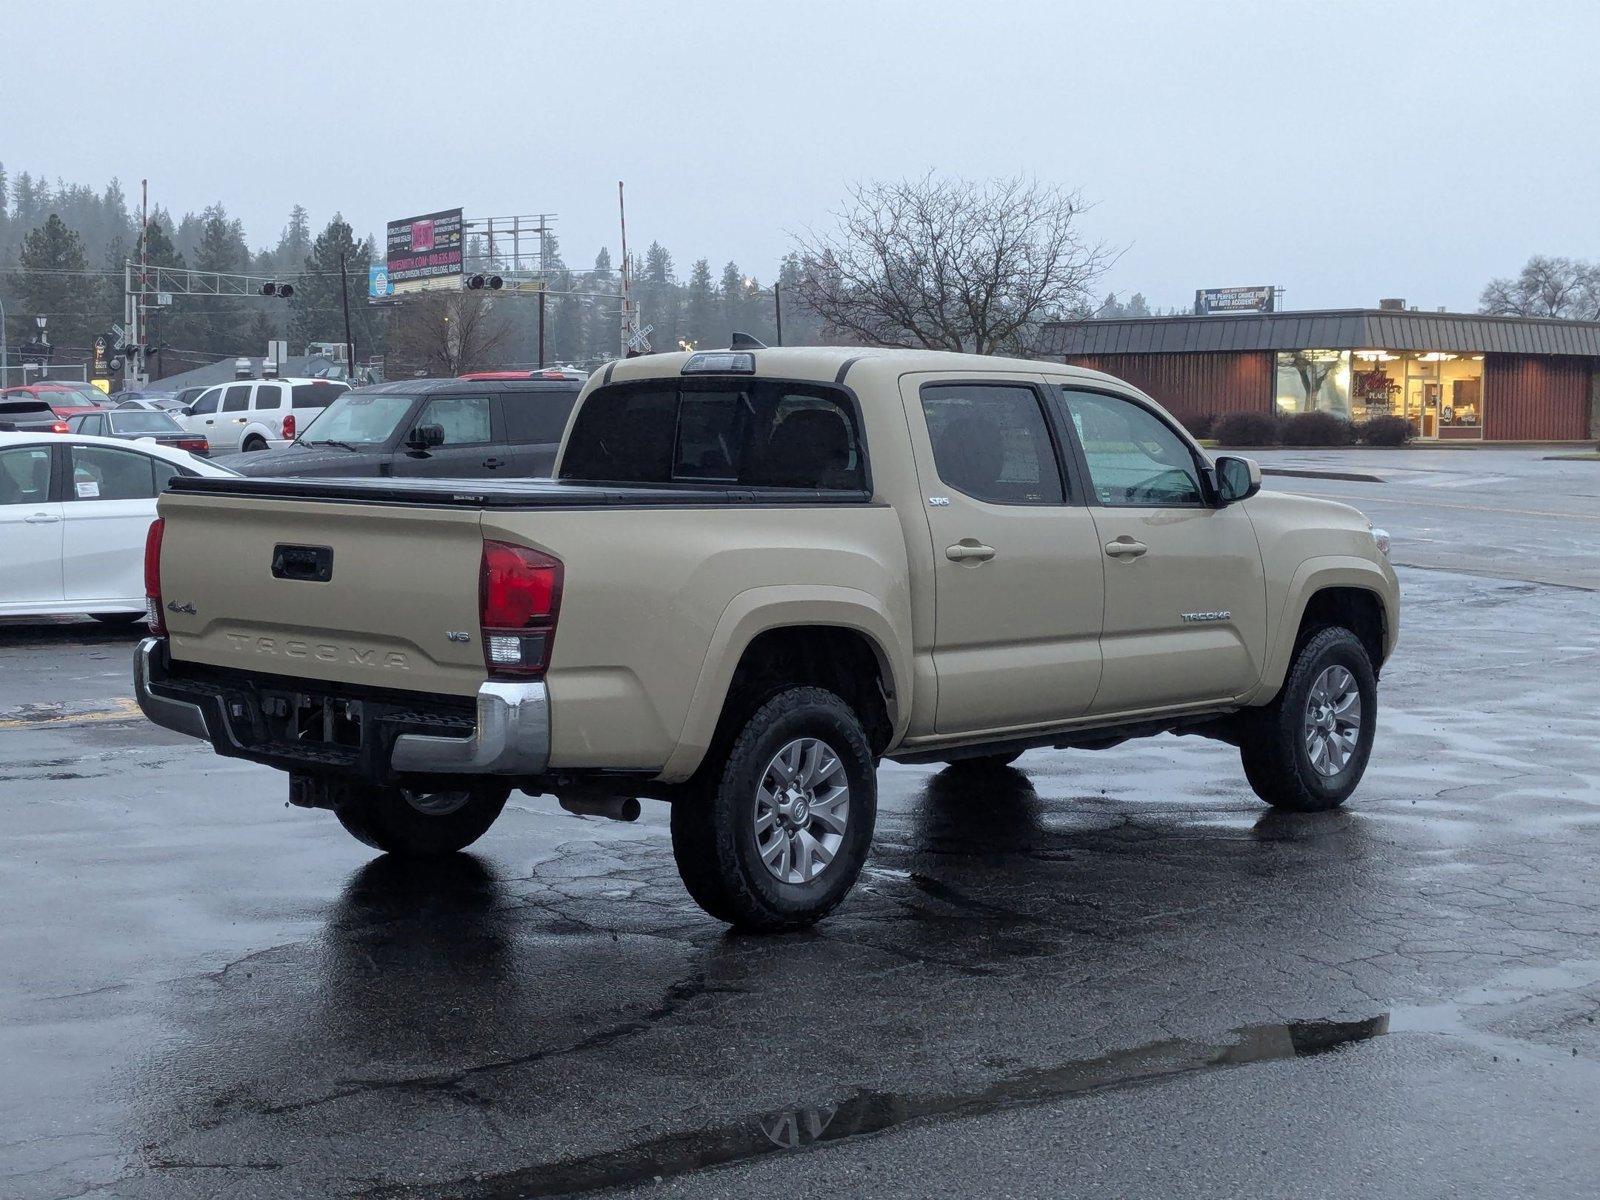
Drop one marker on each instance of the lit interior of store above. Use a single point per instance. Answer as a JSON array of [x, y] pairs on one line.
[[1440, 393]]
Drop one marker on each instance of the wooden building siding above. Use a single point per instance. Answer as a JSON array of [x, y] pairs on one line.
[[1189, 385], [1532, 398]]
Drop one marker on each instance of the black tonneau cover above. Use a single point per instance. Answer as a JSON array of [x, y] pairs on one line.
[[495, 494]]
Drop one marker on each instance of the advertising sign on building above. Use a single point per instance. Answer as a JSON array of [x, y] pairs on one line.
[[424, 251], [1232, 300]]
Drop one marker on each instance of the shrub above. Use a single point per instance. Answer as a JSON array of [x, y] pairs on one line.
[[1246, 429], [1318, 429], [1200, 425], [1386, 431]]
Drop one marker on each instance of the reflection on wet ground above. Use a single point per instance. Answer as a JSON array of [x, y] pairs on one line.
[[866, 1112], [215, 995]]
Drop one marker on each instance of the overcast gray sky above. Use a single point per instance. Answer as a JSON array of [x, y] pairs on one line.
[[1343, 150]]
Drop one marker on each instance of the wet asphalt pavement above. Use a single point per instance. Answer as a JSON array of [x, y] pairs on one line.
[[1104, 974]]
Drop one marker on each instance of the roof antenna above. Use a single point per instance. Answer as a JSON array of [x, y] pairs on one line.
[[743, 341]]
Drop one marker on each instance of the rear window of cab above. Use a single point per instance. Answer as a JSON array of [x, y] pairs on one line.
[[749, 432]]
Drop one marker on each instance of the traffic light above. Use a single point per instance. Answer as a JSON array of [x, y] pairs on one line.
[[277, 289], [492, 282]]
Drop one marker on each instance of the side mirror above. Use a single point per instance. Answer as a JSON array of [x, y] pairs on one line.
[[425, 437], [1237, 478], [187, 411]]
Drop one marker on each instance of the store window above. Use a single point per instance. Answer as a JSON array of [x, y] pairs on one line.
[[1439, 392], [1314, 381]]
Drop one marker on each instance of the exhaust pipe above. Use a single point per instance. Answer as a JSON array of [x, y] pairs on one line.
[[613, 808]]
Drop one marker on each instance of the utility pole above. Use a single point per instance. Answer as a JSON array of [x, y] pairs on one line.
[[541, 328], [344, 299], [777, 310], [622, 216]]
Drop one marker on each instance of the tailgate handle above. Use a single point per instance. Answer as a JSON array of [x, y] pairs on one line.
[[314, 564]]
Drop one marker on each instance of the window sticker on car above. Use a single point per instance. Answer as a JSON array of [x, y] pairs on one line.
[[88, 489]]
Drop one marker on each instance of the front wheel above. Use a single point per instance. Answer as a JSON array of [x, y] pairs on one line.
[[778, 833], [414, 823], [1307, 750]]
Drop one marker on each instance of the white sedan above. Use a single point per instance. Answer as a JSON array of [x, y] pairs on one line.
[[74, 512]]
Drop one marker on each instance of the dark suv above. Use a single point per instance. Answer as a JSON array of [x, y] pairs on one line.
[[448, 428]]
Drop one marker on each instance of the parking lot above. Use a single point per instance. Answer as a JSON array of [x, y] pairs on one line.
[[1108, 973]]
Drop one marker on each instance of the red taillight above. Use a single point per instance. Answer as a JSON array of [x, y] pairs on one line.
[[60, 427], [194, 445], [519, 596], [288, 426], [152, 577]]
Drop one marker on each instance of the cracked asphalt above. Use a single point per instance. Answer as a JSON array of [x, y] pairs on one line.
[[1102, 974]]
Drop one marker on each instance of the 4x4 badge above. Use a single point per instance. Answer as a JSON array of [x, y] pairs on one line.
[[188, 610]]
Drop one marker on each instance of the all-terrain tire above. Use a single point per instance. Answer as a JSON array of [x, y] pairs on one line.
[[399, 821], [1273, 738], [714, 835]]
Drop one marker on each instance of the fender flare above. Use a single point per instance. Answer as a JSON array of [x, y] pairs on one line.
[[785, 606], [1311, 577]]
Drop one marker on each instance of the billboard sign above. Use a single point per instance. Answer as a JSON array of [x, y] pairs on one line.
[[1234, 300], [379, 285], [424, 251]]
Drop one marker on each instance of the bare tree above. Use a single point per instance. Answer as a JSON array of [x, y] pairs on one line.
[[1546, 287], [950, 264], [447, 333]]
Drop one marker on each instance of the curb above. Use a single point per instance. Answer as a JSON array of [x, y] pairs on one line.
[[1311, 473]]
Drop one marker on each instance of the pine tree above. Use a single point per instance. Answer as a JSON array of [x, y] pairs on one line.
[[700, 314], [318, 311], [602, 331], [733, 304], [54, 281]]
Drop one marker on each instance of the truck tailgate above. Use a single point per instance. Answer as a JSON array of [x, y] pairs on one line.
[[242, 586]]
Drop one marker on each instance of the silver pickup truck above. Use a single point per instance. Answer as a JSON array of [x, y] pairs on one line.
[[756, 574]]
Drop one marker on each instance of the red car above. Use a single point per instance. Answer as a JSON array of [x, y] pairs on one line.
[[67, 397]]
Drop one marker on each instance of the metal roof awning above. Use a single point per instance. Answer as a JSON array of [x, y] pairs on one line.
[[1328, 329]]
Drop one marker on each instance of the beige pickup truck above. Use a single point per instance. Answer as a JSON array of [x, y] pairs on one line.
[[757, 573]]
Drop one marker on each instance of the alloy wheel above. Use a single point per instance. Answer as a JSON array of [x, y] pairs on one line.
[[802, 810], [1332, 721]]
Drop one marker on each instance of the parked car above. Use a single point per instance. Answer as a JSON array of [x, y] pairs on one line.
[[431, 427], [138, 425], [68, 398], [148, 401], [757, 574], [26, 414], [74, 512], [258, 414]]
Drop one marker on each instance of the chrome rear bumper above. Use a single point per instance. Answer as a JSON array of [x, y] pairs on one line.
[[510, 735]]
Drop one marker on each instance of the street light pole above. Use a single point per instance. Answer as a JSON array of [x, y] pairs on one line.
[[5, 358]]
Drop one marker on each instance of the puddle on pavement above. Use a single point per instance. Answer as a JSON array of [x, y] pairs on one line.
[[866, 1112]]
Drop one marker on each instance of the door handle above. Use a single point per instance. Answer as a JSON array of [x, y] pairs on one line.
[[495, 462], [1125, 547], [40, 519], [968, 550]]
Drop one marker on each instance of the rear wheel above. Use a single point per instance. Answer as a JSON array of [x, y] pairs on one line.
[[1307, 750], [253, 443], [408, 822], [779, 831]]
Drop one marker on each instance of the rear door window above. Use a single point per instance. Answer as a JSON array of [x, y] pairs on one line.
[[536, 417], [236, 398], [269, 395], [100, 473], [991, 442]]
